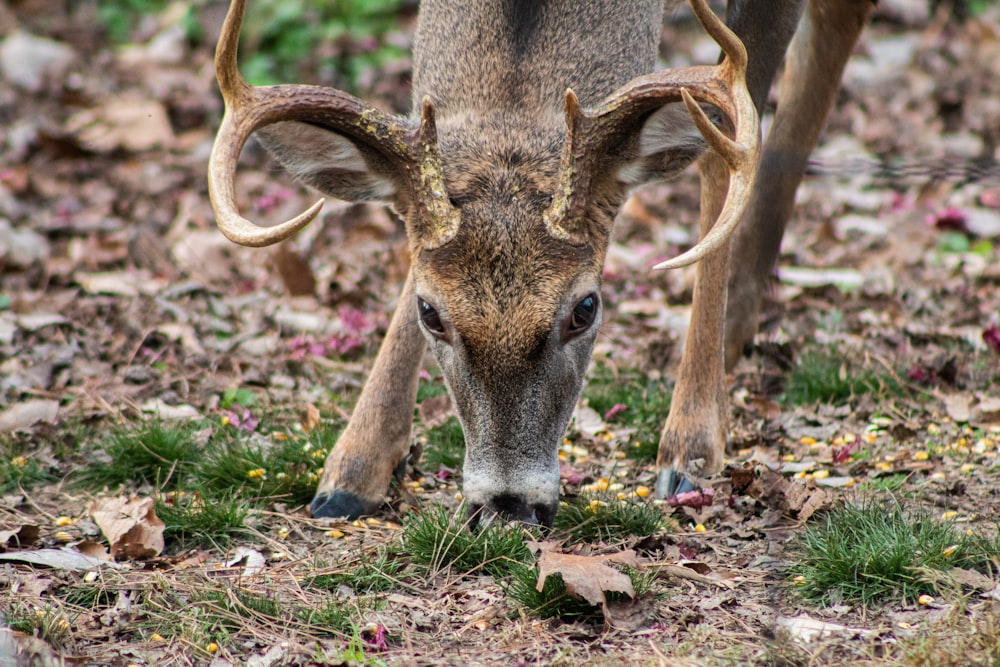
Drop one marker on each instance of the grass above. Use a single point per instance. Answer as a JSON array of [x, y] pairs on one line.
[[876, 551], [647, 403], [606, 518], [445, 447], [210, 477], [378, 574], [20, 465], [441, 540], [823, 375]]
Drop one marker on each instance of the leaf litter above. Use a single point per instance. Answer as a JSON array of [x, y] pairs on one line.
[[119, 297]]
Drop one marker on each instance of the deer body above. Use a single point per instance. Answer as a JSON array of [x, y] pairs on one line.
[[509, 190]]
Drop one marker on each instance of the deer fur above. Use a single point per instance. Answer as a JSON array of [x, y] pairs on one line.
[[499, 300]]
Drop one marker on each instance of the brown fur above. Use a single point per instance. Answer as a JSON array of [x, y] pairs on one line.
[[504, 286]]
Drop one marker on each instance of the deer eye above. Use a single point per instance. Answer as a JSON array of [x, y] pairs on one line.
[[583, 315], [432, 321]]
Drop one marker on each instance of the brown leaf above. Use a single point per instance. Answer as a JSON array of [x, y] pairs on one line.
[[294, 270], [311, 419], [131, 526], [588, 577], [126, 121], [21, 416], [21, 537]]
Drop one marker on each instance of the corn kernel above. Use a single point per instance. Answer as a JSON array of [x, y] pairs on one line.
[[925, 599], [821, 474], [967, 467], [807, 440], [372, 521], [63, 536], [91, 576], [256, 473], [617, 486], [883, 465], [224, 420], [621, 495], [870, 438], [949, 551], [335, 534], [788, 458], [700, 528], [933, 429], [64, 521], [642, 491], [211, 647], [922, 455], [63, 624], [799, 580], [949, 515], [282, 533]]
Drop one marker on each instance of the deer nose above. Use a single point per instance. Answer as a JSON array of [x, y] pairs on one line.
[[509, 507]]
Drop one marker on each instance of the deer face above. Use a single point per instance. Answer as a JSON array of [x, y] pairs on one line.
[[511, 316]]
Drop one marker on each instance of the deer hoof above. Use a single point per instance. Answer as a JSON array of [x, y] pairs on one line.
[[339, 504], [669, 483]]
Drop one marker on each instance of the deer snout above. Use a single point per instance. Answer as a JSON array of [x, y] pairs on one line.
[[509, 507]]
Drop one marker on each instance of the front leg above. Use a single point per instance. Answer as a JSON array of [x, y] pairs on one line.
[[360, 467], [694, 436]]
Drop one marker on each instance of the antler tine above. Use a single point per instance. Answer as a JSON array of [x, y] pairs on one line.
[[411, 148], [592, 133], [237, 126]]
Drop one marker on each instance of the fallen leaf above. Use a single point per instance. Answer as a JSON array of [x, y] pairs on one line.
[[807, 629], [22, 416], [588, 577], [21, 537], [61, 559], [127, 121], [131, 526], [958, 407], [252, 560]]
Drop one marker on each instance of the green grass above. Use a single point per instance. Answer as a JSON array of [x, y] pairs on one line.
[[647, 401], [445, 447], [441, 540], [373, 574], [191, 517], [155, 452], [876, 551], [20, 465], [824, 375], [604, 517]]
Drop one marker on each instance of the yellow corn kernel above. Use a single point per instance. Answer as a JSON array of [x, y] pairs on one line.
[[642, 491], [933, 429], [63, 536], [799, 580], [256, 473], [335, 534], [64, 521], [821, 474], [700, 528], [968, 467], [949, 515], [925, 599], [788, 458], [807, 440], [922, 455], [211, 647], [949, 551]]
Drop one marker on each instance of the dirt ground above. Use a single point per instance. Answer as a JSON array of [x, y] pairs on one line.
[[120, 300]]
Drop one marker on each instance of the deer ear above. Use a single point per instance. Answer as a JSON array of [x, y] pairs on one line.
[[328, 161], [667, 143]]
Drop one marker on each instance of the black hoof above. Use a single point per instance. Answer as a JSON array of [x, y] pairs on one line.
[[339, 504], [669, 483]]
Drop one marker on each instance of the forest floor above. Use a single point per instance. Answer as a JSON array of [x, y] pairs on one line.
[[130, 326]]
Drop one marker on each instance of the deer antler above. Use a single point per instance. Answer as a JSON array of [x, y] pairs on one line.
[[411, 149], [589, 135]]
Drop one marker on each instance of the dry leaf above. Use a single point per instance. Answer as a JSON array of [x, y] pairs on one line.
[[24, 415], [131, 526], [252, 560], [61, 559], [21, 537], [311, 419], [588, 577], [127, 121]]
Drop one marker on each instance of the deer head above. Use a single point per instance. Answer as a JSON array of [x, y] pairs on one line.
[[508, 212]]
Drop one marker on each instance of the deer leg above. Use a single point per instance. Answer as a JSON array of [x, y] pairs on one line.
[[694, 436], [360, 467], [819, 51]]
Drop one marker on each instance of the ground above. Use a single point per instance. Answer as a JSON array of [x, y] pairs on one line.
[[128, 323]]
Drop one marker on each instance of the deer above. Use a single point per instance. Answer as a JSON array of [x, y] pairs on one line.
[[532, 120]]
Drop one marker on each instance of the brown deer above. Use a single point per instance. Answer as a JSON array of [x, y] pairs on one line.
[[532, 120]]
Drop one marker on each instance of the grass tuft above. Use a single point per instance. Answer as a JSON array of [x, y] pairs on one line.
[[20, 467], [445, 446], [149, 452], [193, 517], [589, 518], [377, 575], [441, 540], [822, 374], [875, 551], [554, 601]]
